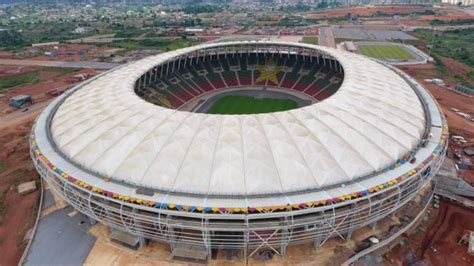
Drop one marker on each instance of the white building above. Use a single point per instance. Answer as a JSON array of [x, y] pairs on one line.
[[456, 2]]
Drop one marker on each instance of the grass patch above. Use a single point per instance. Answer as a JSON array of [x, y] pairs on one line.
[[386, 52], [440, 67], [310, 40], [470, 74], [3, 166], [164, 44], [339, 40], [60, 70], [455, 44], [2, 207], [2, 203], [250, 105], [17, 80]]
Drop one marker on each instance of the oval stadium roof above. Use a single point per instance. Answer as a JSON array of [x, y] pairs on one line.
[[371, 121]]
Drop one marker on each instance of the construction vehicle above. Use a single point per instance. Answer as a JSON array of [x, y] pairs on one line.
[[20, 101]]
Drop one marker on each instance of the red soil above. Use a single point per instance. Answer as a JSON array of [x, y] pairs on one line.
[[447, 98], [19, 211], [440, 245], [7, 70], [47, 82], [446, 17], [91, 52], [6, 55]]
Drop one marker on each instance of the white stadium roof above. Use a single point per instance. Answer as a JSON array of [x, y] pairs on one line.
[[371, 121]]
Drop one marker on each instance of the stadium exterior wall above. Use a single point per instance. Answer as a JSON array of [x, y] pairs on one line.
[[248, 231]]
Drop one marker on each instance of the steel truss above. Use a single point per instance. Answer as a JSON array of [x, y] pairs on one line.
[[250, 232]]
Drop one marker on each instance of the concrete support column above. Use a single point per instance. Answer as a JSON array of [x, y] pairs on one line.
[[141, 241], [207, 238], [373, 225], [317, 244], [351, 223], [284, 242], [170, 233], [92, 221], [138, 228]]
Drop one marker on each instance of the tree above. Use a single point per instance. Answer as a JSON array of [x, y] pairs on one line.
[[10, 38]]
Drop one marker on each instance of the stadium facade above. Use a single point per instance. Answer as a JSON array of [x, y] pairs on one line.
[[132, 159]]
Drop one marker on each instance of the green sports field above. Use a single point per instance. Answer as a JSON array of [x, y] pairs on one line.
[[386, 52], [310, 39], [231, 105]]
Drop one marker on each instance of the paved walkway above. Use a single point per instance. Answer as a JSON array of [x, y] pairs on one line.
[[326, 37], [62, 238], [66, 64]]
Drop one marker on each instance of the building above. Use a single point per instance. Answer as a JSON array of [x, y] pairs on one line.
[[133, 147], [459, 2], [464, 89], [44, 44]]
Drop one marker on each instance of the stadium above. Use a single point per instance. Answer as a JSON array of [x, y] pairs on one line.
[[241, 145]]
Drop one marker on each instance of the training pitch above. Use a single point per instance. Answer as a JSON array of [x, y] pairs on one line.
[[385, 52], [249, 105]]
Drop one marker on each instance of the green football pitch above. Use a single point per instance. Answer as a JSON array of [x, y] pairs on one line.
[[386, 52], [249, 105]]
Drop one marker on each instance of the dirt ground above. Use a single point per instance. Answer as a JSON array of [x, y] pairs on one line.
[[444, 239], [436, 242], [6, 55], [334, 252], [444, 15], [61, 52], [439, 244], [8, 71], [47, 80], [19, 212], [448, 99]]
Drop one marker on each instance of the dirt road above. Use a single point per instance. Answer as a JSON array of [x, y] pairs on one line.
[[18, 116], [96, 65]]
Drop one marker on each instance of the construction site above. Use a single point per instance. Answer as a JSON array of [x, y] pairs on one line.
[[434, 227]]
